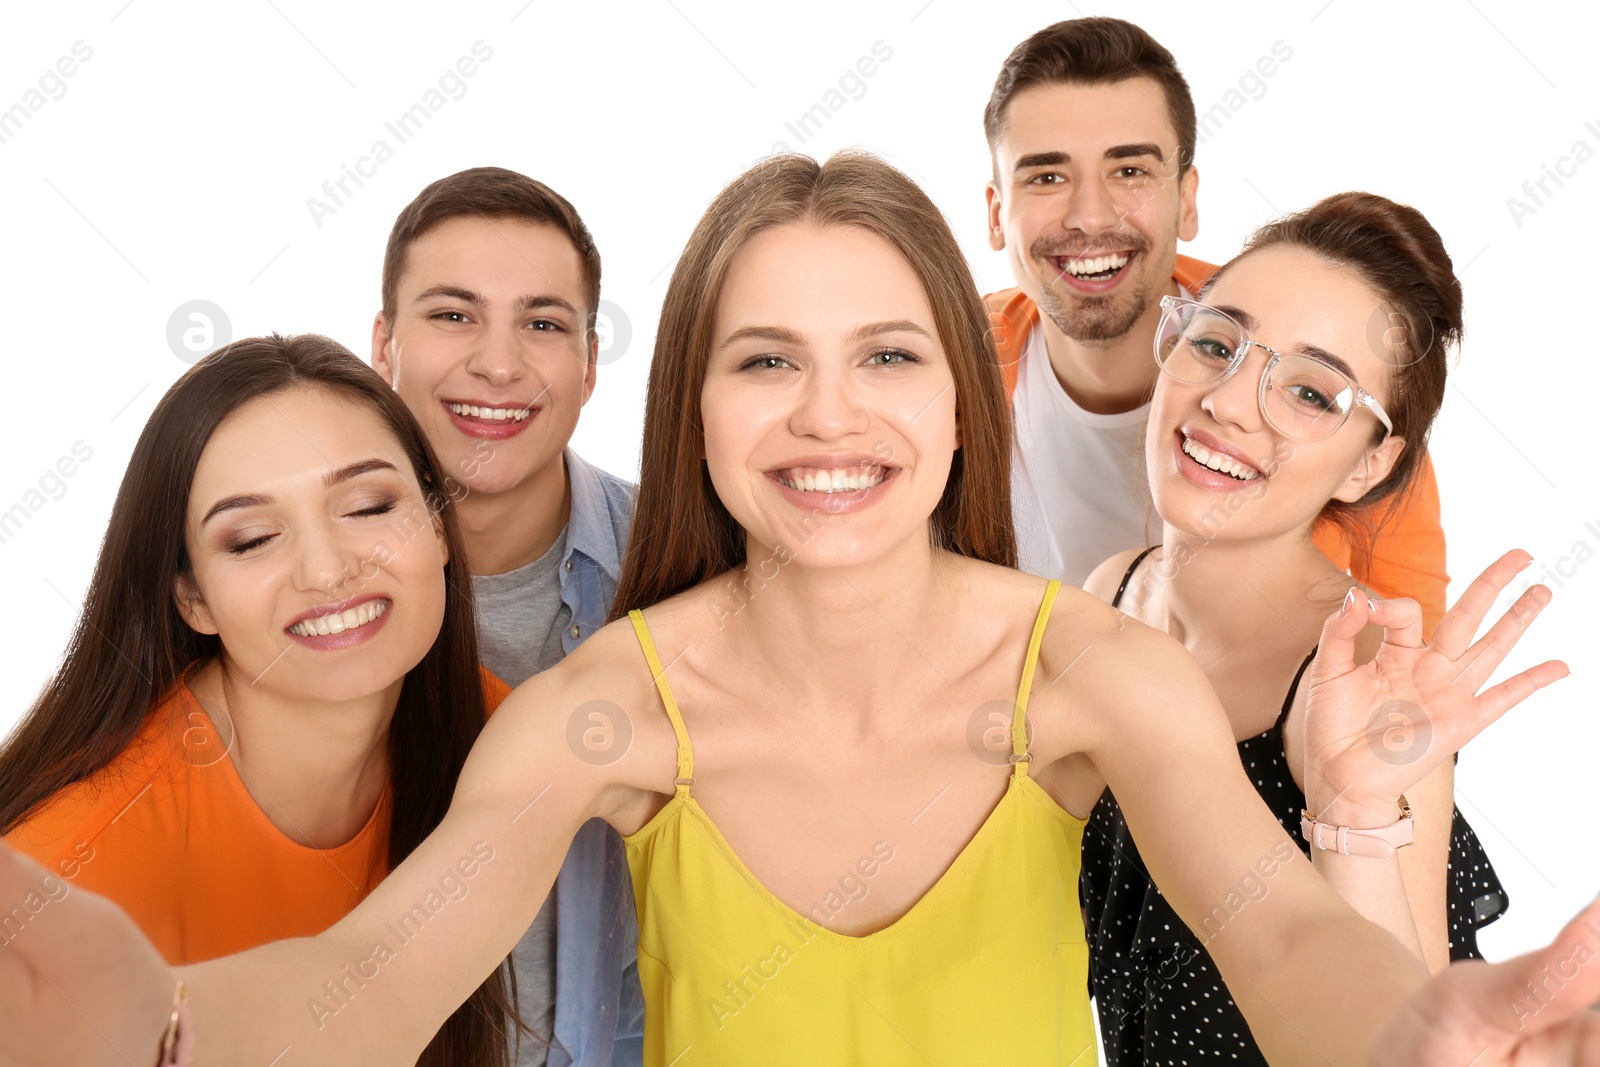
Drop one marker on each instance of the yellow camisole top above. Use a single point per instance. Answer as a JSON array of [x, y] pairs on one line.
[[989, 967]]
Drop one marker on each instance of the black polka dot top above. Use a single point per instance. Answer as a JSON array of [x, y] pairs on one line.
[[1160, 997]]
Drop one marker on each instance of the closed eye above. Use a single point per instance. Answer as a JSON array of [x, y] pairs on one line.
[[248, 546]]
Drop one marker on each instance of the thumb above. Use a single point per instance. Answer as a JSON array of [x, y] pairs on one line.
[[1337, 649]]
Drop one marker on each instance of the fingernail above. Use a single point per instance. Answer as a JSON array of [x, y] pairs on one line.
[[1349, 602], [1373, 602]]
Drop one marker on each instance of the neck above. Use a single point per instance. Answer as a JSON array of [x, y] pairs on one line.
[[840, 637], [511, 529], [316, 769], [1231, 593], [1107, 377]]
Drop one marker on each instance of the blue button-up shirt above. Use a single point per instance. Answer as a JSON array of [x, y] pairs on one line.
[[599, 1017]]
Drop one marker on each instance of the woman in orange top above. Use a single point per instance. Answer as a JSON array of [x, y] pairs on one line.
[[274, 682]]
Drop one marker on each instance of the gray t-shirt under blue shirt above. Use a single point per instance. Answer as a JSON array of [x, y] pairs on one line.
[[520, 618]]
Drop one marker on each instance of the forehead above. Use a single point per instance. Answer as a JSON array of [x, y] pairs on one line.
[[1085, 120], [273, 443], [494, 257], [1297, 297], [821, 281]]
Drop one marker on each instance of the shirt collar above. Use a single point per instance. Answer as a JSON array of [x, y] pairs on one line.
[[589, 527]]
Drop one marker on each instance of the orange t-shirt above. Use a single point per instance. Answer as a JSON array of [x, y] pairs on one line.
[[1407, 557], [168, 831]]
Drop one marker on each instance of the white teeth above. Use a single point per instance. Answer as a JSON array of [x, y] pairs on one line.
[[1098, 265], [492, 414], [832, 480], [339, 622], [1218, 462]]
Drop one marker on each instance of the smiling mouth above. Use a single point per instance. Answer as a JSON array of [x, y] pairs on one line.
[[1218, 462], [831, 479], [474, 411], [340, 621], [1092, 268]]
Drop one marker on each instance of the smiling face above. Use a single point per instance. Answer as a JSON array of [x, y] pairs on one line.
[[315, 560], [1088, 202], [1204, 442], [828, 405], [488, 347]]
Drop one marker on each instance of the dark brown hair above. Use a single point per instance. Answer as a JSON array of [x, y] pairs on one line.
[[1093, 51], [1397, 254], [682, 533], [131, 647], [487, 193]]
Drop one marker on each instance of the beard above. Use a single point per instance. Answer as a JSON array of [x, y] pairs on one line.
[[1103, 318], [1096, 319]]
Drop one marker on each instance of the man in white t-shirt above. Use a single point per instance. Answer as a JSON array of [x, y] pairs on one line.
[[1092, 132]]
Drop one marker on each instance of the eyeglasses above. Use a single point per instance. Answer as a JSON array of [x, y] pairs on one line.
[[1300, 396]]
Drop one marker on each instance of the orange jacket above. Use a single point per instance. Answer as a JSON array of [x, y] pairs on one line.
[[1407, 557], [169, 832]]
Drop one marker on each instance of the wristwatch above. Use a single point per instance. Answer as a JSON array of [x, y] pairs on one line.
[[1379, 842]]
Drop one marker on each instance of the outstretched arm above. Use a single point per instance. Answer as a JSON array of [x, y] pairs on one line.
[[81, 985]]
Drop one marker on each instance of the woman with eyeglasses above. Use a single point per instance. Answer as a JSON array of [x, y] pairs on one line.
[[1299, 389]]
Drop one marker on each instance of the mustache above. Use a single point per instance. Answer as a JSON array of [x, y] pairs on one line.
[[1084, 249]]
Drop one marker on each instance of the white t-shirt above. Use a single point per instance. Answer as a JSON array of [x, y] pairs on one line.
[[1079, 489]]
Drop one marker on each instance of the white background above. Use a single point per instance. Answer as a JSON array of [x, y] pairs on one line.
[[178, 163]]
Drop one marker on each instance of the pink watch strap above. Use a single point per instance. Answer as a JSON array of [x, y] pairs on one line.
[[1378, 842]]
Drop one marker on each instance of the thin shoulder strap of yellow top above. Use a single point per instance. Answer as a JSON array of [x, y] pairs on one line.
[[1019, 715], [659, 675]]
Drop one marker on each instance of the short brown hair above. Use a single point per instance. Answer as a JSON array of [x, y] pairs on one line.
[[686, 535], [1093, 51], [489, 193], [1393, 250]]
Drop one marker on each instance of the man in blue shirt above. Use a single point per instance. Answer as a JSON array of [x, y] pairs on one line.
[[491, 284]]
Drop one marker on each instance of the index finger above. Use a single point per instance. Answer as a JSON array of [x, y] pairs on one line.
[[1460, 624]]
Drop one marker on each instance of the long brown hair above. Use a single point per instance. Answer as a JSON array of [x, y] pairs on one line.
[[1395, 252], [131, 647], [681, 533]]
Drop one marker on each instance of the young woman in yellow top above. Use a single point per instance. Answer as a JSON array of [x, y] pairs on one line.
[[819, 822]]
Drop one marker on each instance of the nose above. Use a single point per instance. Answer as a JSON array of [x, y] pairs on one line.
[[1236, 398], [1091, 208], [828, 406], [325, 563], [497, 357]]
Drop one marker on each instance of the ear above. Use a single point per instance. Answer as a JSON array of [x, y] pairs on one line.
[[1188, 211], [992, 205], [382, 343], [1373, 468], [438, 535], [592, 370], [193, 609]]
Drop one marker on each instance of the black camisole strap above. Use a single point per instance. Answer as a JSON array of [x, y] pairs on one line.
[[1294, 686], [1116, 601]]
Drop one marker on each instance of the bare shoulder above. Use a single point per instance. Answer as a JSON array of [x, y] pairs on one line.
[[592, 723], [1101, 672], [1104, 579]]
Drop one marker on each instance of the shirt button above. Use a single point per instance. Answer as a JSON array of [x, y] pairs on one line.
[[568, 564], [573, 631]]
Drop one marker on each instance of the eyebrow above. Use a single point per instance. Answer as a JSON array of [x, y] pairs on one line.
[[1120, 151], [522, 303], [785, 336], [1321, 355], [329, 480]]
